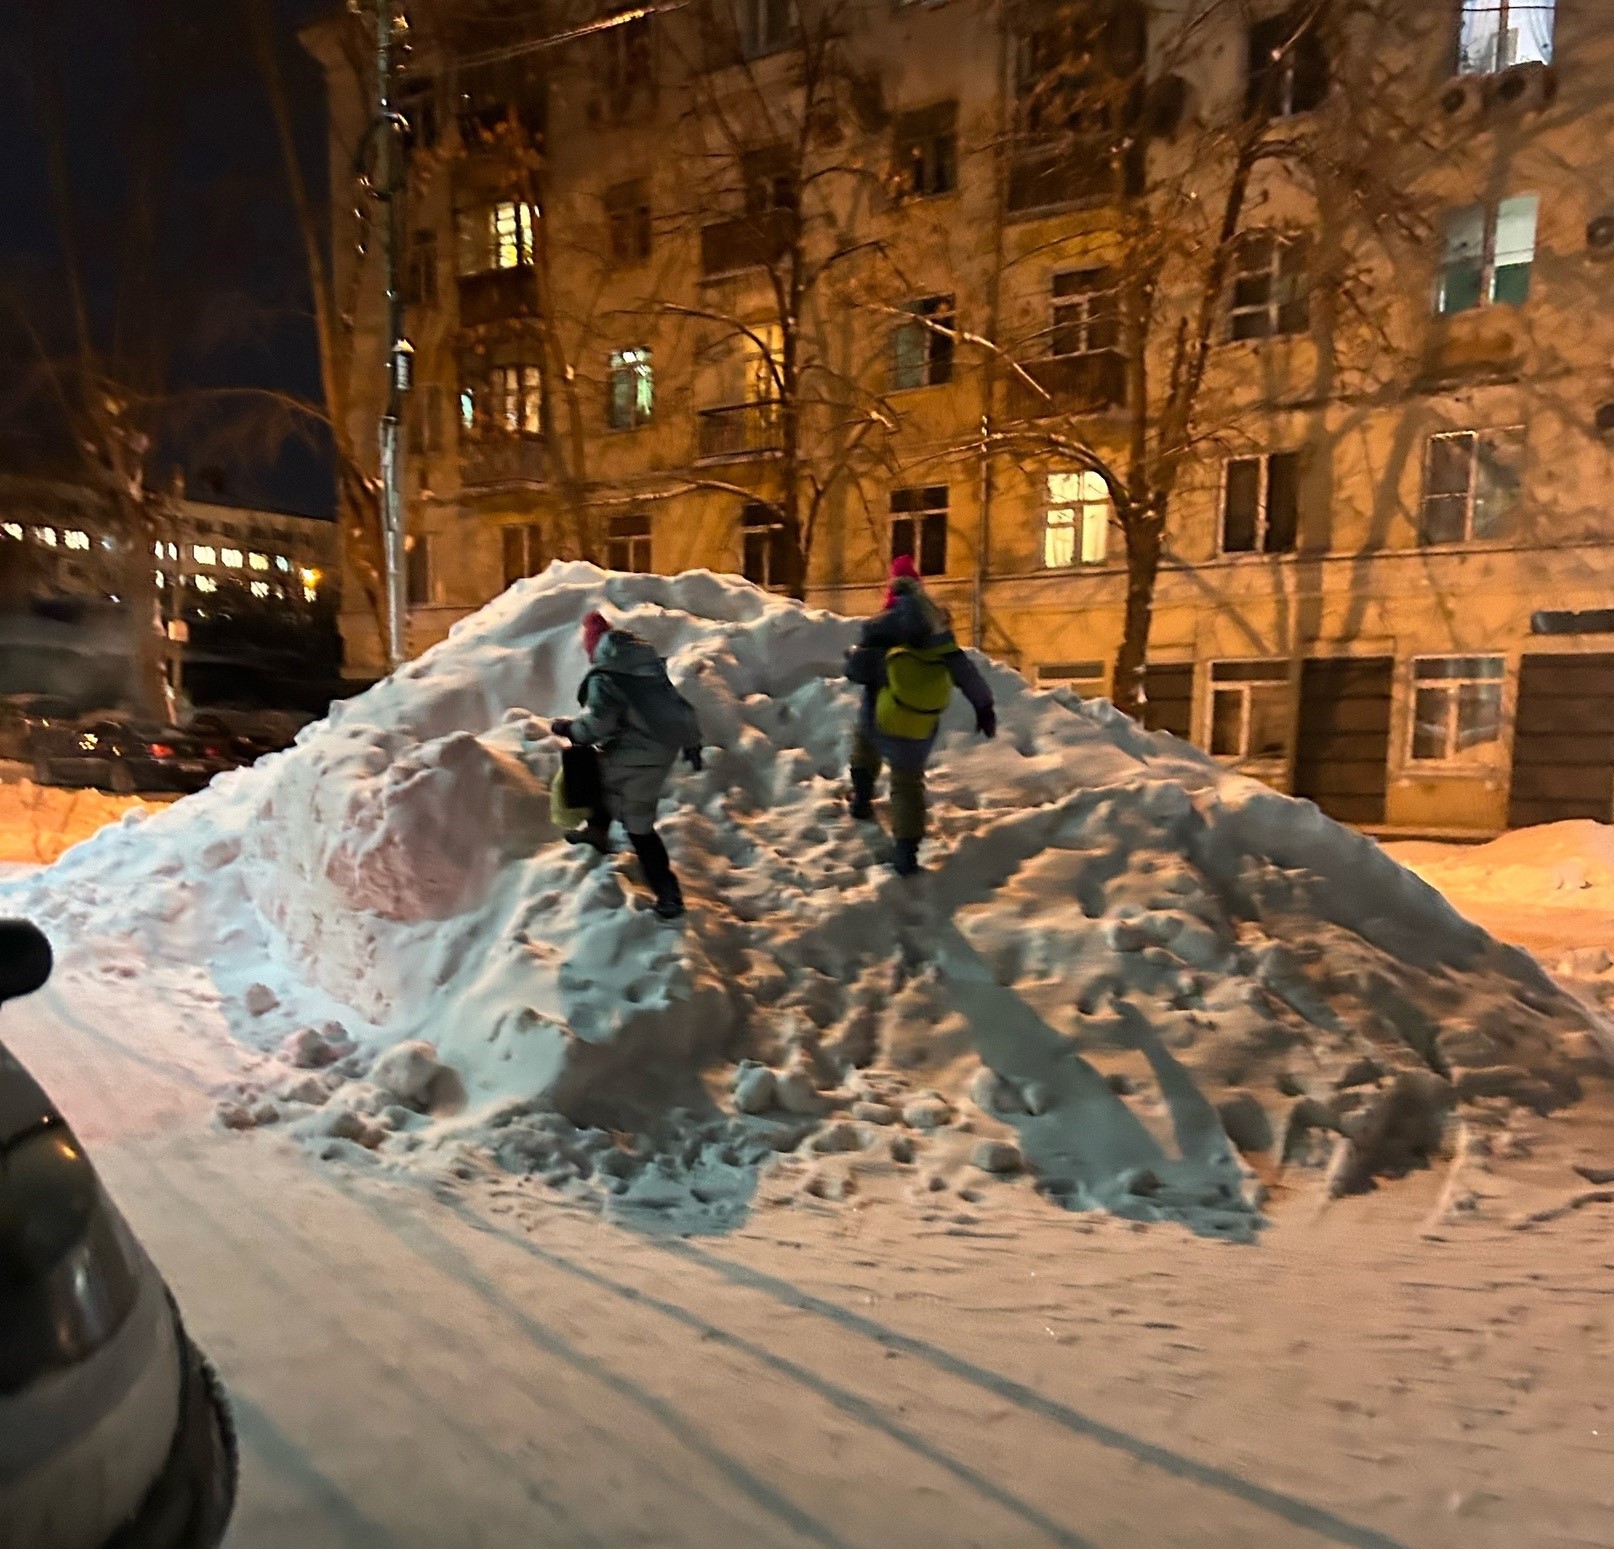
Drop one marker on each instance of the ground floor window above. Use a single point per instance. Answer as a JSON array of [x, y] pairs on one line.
[[418, 569], [523, 551], [919, 527], [1086, 678], [628, 542], [1457, 705], [1251, 710], [765, 555]]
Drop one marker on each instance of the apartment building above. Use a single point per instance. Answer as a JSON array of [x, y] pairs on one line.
[[1385, 568]]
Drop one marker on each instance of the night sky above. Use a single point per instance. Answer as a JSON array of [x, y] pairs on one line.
[[169, 84]]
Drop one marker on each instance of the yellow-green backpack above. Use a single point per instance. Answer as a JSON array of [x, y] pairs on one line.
[[918, 687]]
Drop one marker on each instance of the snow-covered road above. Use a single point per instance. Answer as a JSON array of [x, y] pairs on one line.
[[497, 1367]]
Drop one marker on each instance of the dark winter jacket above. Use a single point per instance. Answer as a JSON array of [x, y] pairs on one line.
[[913, 619], [626, 672]]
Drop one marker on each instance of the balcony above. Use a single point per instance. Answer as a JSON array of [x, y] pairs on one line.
[[738, 430], [496, 462], [1075, 384], [746, 242], [1053, 175], [497, 296]]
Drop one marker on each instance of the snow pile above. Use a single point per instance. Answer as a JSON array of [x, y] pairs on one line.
[[1125, 967]]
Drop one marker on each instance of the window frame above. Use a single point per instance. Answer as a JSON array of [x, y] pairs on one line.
[[418, 572], [762, 522], [1241, 678], [633, 364], [935, 323], [1480, 437], [1086, 512], [505, 400], [1489, 269], [1263, 511], [924, 510], [1454, 755], [420, 277], [620, 543], [924, 152], [1287, 288], [629, 230], [530, 542], [1092, 313], [1306, 53], [1503, 9], [481, 237]]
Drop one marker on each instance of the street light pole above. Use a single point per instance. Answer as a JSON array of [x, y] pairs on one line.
[[389, 188]]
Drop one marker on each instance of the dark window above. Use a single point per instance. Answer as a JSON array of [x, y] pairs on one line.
[[417, 105], [922, 349], [523, 551], [628, 544], [631, 390], [1252, 710], [1288, 65], [1271, 291], [765, 556], [765, 26], [1457, 705], [418, 569], [1261, 504], [1085, 319], [1473, 480], [425, 417], [767, 175], [627, 209], [627, 65], [420, 277], [926, 152], [919, 527]]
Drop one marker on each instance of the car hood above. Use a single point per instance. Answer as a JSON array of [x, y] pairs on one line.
[[23, 1104]]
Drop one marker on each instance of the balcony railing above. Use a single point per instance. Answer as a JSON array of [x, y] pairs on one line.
[[497, 296], [1051, 175], [494, 461], [1074, 384], [746, 242], [739, 430]]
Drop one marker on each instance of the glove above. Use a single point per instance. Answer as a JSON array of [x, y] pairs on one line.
[[986, 722], [561, 727], [692, 756]]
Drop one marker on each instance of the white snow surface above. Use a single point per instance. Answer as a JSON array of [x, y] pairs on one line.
[[1117, 942]]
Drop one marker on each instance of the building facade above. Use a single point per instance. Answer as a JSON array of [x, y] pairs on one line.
[[893, 280]]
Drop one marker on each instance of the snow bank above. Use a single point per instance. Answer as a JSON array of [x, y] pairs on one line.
[[1122, 956], [39, 823]]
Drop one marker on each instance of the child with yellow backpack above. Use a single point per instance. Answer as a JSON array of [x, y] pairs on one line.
[[908, 665]]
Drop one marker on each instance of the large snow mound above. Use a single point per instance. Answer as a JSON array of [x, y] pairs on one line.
[[1124, 968]]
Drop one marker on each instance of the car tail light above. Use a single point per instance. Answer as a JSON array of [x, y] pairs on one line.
[[161, 750], [213, 751]]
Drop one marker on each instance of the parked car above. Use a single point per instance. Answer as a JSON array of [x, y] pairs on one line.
[[20, 714], [115, 755], [114, 1430], [241, 738]]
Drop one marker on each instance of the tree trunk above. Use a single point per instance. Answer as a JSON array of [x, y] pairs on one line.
[[1143, 530]]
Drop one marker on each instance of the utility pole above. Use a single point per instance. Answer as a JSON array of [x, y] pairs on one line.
[[389, 187]]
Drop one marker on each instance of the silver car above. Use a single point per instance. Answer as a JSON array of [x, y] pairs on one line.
[[114, 1432]]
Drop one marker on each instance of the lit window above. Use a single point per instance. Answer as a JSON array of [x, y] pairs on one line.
[[47, 536], [1473, 480], [1498, 34], [282, 563], [1078, 524], [260, 588], [230, 558], [309, 594], [258, 561], [157, 549], [496, 237], [79, 541], [162, 580], [12, 530], [1457, 706], [173, 551], [632, 398], [206, 583], [1251, 710], [205, 554], [1490, 252]]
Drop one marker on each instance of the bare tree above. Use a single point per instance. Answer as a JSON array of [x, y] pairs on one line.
[[789, 132], [343, 353], [1256, 222]]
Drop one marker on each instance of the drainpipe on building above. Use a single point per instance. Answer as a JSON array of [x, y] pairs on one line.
[[983, 534], [389, 189]]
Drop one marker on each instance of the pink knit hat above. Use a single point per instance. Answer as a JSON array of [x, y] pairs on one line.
[[902, 569], [595, 628]]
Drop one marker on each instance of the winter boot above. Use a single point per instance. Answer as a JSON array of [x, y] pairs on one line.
[[595, 835], [860, 805], [905, 857], [659, 874]]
